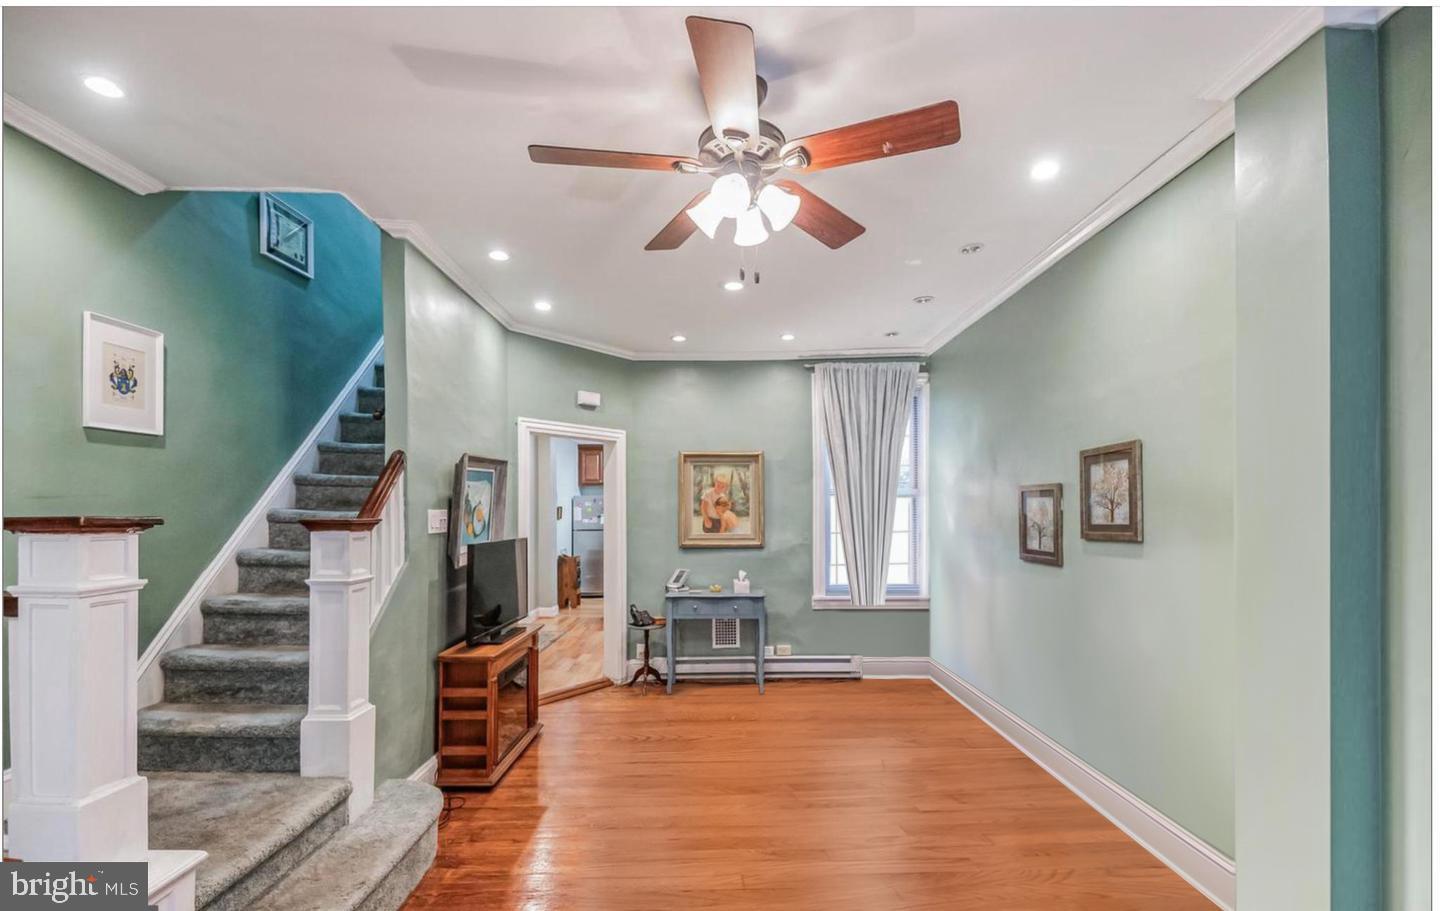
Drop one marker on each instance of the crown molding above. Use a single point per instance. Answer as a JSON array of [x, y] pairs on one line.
[[1219, 127], [37, 126], [1305, 22]]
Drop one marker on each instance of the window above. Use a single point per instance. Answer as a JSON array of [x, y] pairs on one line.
[[906, 572]]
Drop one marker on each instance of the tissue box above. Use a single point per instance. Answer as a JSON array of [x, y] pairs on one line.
[[741, 586]]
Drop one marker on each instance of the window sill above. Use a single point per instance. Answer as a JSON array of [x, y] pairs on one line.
[[832, 602]]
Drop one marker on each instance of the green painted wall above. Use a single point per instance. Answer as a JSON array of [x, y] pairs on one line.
[[254, 352], [1126, 654], [1405, 91]]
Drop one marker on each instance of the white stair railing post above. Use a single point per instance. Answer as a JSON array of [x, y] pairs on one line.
[[337, 737], [78, 796]]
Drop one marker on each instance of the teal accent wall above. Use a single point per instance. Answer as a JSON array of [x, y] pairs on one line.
[[254, 352], [1406, 105], [1126, 654]]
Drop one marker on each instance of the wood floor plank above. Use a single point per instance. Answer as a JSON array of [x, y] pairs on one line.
[[876, 794]]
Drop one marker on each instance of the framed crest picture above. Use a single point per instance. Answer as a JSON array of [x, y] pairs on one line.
[[1111, 506], [477, 507], [722, 499], [122, 378], [1042, 538], [286, 236]]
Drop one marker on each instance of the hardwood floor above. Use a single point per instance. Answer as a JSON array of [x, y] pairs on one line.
[[876, 794], [578, 655]]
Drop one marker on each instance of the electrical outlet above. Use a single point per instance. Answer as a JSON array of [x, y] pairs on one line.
[[783, 650], [769, 651], [639, 651], [437, 521]]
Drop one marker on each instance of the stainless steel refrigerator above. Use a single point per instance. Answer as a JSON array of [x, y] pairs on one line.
[[587, 541]]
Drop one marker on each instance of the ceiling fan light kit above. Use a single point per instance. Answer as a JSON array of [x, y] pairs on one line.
[[748, 156]]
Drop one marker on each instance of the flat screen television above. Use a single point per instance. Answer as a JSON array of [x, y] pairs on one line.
[[497, 590]]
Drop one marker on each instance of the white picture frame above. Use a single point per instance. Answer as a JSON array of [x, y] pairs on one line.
[[278, 223], [122, 376]]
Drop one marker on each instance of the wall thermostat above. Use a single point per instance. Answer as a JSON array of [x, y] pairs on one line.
[[587, 399]]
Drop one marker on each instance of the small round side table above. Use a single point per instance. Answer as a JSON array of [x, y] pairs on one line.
[[647, 670]]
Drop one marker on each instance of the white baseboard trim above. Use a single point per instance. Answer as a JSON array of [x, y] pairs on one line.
[[551, 611], [776, 667], [427, 770], [185, 625], [1197, 862], [895, 668]]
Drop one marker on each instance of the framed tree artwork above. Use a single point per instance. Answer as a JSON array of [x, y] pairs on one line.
[[1111, 506], [1041, 529]]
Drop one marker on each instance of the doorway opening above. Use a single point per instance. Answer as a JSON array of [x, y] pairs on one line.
[[571, 485]]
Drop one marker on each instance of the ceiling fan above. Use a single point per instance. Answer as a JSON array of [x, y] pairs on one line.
[[749, 157]]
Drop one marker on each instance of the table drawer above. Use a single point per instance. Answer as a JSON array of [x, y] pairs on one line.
[[686, 610]]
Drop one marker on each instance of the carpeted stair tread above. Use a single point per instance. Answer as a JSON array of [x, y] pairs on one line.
[[250, 603], [296, 515], [236, 658], [339, 446], [272, 556], [383, 855], [221, 719], [316, 479], [255, 827]]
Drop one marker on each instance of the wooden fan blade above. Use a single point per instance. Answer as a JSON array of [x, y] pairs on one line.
[[821, 220], [884, 137], [601, 158], [725, 56], [678, 230]]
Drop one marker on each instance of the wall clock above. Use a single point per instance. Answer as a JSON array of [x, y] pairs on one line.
[[286, 236]]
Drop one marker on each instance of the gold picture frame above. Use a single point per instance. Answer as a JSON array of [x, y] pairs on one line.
[[721, 499]]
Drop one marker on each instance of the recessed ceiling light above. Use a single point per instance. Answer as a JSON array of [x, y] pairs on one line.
[[969, 249], [925, 299], [891, 334], [788, 337], [1044, 169], [677, 338], [542, 306], [499, 256], [102, 86], [734, 285]]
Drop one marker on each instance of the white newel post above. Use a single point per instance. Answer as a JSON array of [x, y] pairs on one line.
[[73, 688], [337, 737]]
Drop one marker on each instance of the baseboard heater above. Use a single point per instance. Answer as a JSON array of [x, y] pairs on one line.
[[778, 667]]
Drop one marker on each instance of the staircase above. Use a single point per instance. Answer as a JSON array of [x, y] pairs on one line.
[[222, 751]]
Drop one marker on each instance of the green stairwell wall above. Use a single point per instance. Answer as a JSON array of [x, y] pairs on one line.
[[254, 352]]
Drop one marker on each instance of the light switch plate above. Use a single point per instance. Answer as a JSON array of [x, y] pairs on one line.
[[437, 521], [782, 651]]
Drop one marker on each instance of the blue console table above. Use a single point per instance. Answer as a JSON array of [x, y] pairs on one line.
[[706, 605]]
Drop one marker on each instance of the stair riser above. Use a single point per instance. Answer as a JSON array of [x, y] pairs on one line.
[[244, 893], [256, 629], [369, 400], [288, 686], [352, 463], [274, 580], [392, 892], [289, 536], [364, 429], [318, 496], [380, 375], [179, 753]]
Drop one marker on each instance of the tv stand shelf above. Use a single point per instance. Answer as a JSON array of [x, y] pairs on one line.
[[487, 711]]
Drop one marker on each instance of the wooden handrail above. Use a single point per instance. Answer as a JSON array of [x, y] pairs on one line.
[[80, 525], [374, 505]]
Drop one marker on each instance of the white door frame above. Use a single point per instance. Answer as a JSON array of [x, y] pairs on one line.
[[531, 432]]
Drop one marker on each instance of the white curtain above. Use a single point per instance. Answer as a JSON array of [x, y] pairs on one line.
[[864, 408]]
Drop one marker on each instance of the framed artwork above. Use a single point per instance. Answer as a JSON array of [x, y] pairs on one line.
[[1111, 508], [477, 507], [722, 499], [286, 236], [122, 376], [1042, 537]]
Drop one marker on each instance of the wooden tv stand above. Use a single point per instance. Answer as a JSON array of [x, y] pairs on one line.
[[488, 709]]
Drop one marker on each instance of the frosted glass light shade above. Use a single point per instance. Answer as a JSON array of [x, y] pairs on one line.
[[750, 228], [780, 207], [732, 194], [707, 215]]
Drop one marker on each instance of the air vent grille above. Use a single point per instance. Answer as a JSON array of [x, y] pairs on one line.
[[725, 632]]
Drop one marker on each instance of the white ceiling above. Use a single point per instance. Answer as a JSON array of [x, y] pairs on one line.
[[423, 116]]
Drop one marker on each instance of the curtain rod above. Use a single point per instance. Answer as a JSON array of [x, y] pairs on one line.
[[811, 366]]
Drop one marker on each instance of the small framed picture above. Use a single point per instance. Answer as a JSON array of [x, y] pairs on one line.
[[477, 508], [122, 378], [1042, 538], [286, 236], [722, 499], [1111, 508]]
